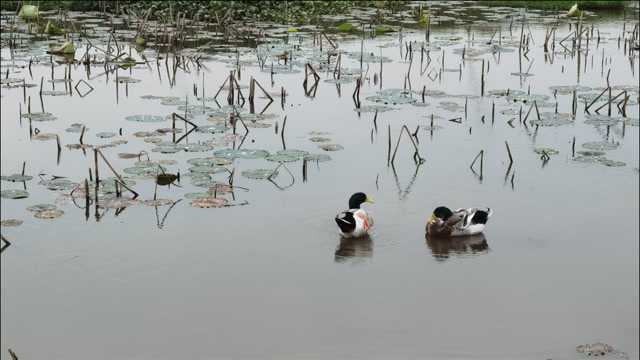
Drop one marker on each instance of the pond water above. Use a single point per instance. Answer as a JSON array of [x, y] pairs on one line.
[[268, 277]]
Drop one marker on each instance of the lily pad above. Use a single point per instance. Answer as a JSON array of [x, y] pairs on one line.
[[158, 202], [282, 158], [41, 207], [145, 118], [117, 203], [331, 147], [600, 145], [545, 150], [317, 157], [602, 120], [209, 202], [39, 116], [49, 214], [207, 169], [258, 174], [14, 194], [393, 96], [241, 154], [105, 135], [553, 119], [16, 177], [11, 222]]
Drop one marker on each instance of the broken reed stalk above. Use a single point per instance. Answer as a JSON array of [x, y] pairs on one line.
[[482, 80], [416, 157], [122, 182], [509, 153], [481, 157], [284, 123], [596, 99], [304, 170], [356, 94], [388, 145], [86, 199], [573, 147]]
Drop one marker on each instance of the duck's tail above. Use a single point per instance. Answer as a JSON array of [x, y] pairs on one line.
[[481, 216]]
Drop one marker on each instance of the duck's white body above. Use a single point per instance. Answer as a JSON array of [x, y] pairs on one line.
[[466, 226], [363, 222]]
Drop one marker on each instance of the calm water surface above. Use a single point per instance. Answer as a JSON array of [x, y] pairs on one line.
[[557, 267]]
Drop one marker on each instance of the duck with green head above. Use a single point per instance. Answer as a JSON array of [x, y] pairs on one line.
[[355, 222], [463, 222]]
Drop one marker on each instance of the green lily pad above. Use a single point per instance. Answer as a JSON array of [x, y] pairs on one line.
[[207, 169], [39, 116], [16, 177], [331, 147], [241, 154], [145, 118], [49, 214], [283, 158], [258, 174], [105, 135], [545, 150], [11, 222], [600, 145], [317, 157], [602, 120], [14, 194], [41, 207]]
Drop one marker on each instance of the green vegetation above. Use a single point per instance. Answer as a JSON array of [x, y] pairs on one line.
[[292, 12], [561, 4]]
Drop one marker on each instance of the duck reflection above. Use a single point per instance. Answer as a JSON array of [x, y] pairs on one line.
[[353, 249], [443, 248]]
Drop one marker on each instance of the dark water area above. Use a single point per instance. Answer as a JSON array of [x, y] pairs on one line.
[[269, 277]]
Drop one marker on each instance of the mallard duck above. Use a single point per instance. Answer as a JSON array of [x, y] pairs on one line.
[[462, 222], [355, 222]]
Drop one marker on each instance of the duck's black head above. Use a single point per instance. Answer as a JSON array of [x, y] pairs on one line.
[[442, 212], [358, 199]]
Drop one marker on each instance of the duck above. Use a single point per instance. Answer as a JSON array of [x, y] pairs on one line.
[[462, 222], [355, 222]]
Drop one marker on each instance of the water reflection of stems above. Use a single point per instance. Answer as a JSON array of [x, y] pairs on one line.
[[274, 173]]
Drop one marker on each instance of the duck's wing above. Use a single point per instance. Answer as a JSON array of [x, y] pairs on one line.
[[346, 221], [456, 219]]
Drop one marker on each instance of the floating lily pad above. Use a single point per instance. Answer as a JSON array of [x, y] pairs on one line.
[[172, 100], [197, 195], [545, 150], [211, 161], [158, 202], [318, 139], [600, 145], [16, 177], [569, 89], [105, 135], [317, 157], [283, 158], [209, 202], [373, 108], [553, 119], [632, 121], [54, 92], [196, 147], [14, 194], [293, 152], [49, 214], [611, 163], [75, 128], [590, 153], [241, 154], [331, 147], [602, 120], [258, 174], [145, 118], [207, 169], [393, 96], [126, 80], [116, 203], [39, 116], [11, 222], [44, 136], [59, 184], [212, 129], [41, 207]]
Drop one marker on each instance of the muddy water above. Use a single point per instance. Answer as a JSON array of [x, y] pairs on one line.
[[557, 267]]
